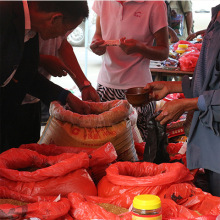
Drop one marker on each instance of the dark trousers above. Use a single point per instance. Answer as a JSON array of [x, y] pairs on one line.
[[24, 128], [214, 183]]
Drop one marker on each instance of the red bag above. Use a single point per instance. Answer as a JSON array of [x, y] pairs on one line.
[[60, 174], [188, 61], [99, 159], [129, 179], [173, 148], [175, 46], [140, 149], [38, 206], [85, 207], [171, 210], [194, 199]]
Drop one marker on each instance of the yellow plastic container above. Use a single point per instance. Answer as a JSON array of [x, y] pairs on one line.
[[182, 46], [146, 207], [180, 51]]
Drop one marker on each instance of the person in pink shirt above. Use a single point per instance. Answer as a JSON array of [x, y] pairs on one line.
[[134, 25]]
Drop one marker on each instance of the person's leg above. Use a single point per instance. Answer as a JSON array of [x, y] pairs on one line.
[[26, 127], [44, 114], [109, 94], [214, 183]]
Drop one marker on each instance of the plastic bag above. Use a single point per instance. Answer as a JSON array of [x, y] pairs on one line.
[[99, 159], [86, 207], [155, 147], [173, 148], [57, 174], [188, 61], [193, 198], [34, 206], [175, 46], [129, 179], [140, 149]]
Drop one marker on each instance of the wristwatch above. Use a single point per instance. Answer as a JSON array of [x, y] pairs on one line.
[[86, 83]]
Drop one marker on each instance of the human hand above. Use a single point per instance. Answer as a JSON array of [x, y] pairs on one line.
[[171, 111], [77, 105], [191, 36], [158, 90], [54, 66], [97, 48], [90, 94], [174, 38], [130, 46]]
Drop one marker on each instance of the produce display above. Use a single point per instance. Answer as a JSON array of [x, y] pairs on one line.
[[183, 56]]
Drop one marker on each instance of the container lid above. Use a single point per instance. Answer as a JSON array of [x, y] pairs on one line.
[[146, 202], [183, 46], [180, 51]]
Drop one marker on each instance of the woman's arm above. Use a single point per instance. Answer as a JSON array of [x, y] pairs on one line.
[[97, 39], [158, 52]]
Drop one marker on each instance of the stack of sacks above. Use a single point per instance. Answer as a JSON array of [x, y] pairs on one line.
[[14, 205], [108, 122], [28, 172], [99, 159]]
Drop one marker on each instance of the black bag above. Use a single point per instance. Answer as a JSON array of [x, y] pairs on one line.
[[156, 143]]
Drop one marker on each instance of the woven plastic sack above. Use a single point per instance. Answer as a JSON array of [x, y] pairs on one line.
[[130, 179], [108, 123], [99, 159], [86, 207], [26, 207], [60, 174]]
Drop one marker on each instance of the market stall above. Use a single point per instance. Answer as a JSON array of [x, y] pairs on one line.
[[181, 61], [161, 74]]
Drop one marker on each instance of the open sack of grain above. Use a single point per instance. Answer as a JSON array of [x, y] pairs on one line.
[[94, 207], [99, 159], [129, 179], [108, 122], [28, 172], [15, 205]]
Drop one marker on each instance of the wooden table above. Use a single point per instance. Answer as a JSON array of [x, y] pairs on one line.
[[160, 73]]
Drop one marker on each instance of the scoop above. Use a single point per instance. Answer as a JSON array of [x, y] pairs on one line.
[[137, 96]]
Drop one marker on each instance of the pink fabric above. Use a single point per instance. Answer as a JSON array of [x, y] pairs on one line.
[[134, 20]]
